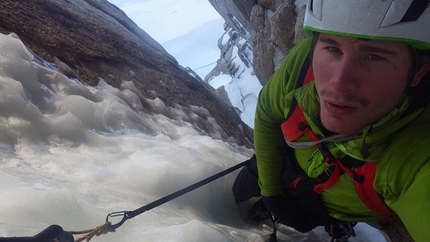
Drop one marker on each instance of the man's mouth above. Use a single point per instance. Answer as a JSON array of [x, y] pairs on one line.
[[337, 108]]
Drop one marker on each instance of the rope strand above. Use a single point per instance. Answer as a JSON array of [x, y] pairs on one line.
[[99, 230]]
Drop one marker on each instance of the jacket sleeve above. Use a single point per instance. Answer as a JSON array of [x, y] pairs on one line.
[[413, 206], [272, 108], [403, 177]]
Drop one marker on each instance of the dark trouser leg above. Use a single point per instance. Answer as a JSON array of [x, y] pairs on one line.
[[246, 184]]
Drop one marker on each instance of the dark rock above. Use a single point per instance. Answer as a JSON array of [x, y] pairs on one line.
[[273, 27], [236, 13]]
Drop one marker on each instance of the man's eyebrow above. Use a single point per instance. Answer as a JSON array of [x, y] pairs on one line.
[[329, 41], [362, 48], [375, 49]]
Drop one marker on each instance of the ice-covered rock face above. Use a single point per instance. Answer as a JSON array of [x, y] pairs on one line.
[[96, 40], [272, 26], [71, 153], [40, 104]]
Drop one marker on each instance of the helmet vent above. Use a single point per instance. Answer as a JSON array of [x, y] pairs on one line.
[[415, 10], [315, 6]]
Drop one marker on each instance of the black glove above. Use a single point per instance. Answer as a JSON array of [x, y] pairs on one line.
[[289, 212]]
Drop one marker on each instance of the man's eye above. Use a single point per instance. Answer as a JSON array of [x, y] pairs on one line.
[[333, 49], [376, 57]]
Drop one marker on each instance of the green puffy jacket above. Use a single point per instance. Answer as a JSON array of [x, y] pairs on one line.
[[403, 173]]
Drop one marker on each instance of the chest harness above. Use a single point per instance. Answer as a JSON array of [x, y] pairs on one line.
[[363, 173]]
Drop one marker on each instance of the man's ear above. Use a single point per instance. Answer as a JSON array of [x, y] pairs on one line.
[[421, 71]]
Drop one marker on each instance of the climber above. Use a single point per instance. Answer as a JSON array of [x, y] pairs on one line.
[[342, 127]]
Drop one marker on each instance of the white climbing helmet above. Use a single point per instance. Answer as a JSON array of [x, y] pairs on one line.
[[397, 20]]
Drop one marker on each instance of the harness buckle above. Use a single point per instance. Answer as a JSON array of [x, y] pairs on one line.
[[323, 177]]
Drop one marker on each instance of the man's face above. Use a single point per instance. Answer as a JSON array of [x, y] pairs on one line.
[[358, 81]]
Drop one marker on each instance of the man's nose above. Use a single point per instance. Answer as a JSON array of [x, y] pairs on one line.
[[345, 75]]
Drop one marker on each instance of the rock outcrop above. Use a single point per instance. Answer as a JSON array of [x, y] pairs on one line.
[[272, 26], [97, 40]]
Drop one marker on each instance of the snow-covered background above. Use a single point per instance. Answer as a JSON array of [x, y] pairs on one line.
[[70, 154]]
